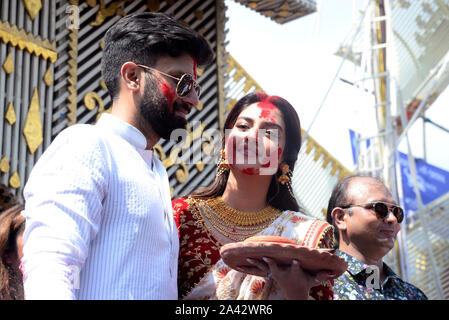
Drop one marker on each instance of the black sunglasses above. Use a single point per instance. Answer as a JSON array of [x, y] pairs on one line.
[[381, 209], [185, 84]]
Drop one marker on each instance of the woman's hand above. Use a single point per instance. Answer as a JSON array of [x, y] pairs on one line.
[[294, 282]]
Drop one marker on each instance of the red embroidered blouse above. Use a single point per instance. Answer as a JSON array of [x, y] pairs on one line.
[[199, 251]]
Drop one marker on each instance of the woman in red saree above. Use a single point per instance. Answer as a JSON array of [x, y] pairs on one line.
[[250, 196]]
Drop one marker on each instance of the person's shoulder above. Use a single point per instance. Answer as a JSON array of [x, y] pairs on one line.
[[299, 216], [78, 138], [182, 213], [318, 233], [75, 146]]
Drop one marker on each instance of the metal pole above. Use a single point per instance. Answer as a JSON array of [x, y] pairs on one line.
[[421, 106], [424, 148], [420, 211]]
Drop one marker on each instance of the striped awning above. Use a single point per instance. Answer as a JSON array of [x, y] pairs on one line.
[[281, 11]]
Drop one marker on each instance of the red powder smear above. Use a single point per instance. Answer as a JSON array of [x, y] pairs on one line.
[[265, 104], [267, 107], [194, 70], [250, 171], [267, 165], [279, 153], [168, 91]]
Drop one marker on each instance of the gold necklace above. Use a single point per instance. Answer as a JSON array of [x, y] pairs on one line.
[[241, 218], [217, 213]]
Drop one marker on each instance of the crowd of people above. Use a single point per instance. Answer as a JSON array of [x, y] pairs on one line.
[[98, 221]]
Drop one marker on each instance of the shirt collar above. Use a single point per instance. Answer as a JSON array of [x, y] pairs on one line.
[[123, 129], [355, 266]]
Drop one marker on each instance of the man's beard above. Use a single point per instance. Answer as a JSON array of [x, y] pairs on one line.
[[154, 109]]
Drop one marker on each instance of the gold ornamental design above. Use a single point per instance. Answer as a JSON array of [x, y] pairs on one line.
[[23, 40], [33, 126], [8, 65], [14, 180], [73, 69], [48, 77], [106, 11], [32, 7], [4, 165], [10, 115]]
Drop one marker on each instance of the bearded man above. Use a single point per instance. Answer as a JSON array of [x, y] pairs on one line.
[[99, 222]]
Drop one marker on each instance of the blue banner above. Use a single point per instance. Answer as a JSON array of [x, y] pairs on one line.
[[433, 182], [355, 144]]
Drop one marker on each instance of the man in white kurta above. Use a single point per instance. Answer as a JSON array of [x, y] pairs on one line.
[[99, 222], [100, 229]]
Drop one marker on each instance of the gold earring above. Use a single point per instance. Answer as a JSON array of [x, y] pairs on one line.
[[223, 165], [284, 178]]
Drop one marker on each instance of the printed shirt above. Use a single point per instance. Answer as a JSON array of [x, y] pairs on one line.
[[355, 284]]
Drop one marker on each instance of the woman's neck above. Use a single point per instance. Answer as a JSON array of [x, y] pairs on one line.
[[246, 192]]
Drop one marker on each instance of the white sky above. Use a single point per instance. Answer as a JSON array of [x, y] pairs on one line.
[[296, 61]]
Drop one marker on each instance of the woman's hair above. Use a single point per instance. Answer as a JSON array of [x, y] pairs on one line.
[[278, 195], [12, 224]]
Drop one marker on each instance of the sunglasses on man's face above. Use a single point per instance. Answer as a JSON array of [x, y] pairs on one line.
[[381, 209], [185, 84]]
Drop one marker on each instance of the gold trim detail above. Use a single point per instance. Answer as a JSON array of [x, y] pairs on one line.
[[107, 11], [241, 218], [14, 180], [153, 5], [4, 165], [200, 166], [89, 101], [8, 65], [33, 125], [34, 45], [48, 77], [182, 174], [103, 85], [32, 7], [11, 114], [199, 15]]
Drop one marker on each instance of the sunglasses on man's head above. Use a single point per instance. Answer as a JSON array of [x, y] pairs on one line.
[[185, 84], [381, 209]]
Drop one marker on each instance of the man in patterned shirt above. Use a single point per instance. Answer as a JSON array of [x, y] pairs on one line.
[[367, 219]]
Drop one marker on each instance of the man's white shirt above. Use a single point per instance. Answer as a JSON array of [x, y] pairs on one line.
[[99, 221]]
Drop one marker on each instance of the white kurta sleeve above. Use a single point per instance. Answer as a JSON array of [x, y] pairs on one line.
[[63, 207]]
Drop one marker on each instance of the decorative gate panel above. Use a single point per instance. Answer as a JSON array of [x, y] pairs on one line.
[[27, 54], [51, 79]]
